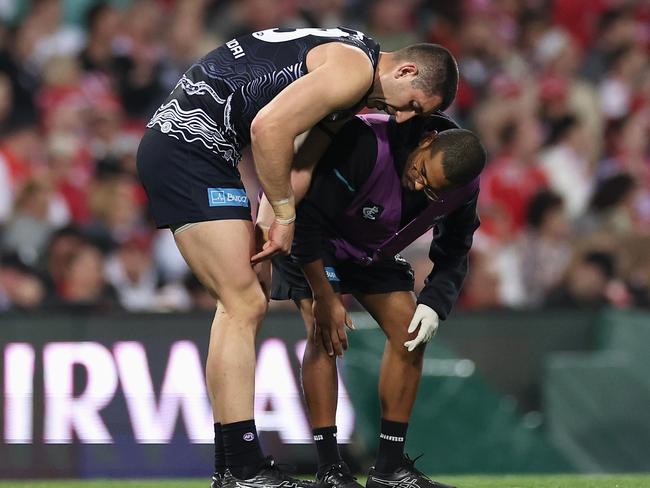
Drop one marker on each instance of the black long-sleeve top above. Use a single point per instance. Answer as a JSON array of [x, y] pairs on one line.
[[345, 167]]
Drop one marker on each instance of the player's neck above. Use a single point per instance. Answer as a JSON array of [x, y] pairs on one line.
[[384, 65]]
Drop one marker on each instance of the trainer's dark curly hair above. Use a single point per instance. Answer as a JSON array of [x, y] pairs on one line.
[[463, 155]]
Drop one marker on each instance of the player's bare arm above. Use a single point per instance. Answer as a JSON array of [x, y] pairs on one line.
[[308, 152], [295, 110]]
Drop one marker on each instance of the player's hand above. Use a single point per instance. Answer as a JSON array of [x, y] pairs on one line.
[[279, 242], [427, 319], [331, 319]]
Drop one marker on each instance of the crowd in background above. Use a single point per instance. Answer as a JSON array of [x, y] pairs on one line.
[[558, 91]]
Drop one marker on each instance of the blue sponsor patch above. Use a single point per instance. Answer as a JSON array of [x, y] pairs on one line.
[[331, 274], [227, 197]]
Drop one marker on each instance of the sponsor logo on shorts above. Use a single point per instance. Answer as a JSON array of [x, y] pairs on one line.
[[227, 197], [248, 436], [331, 274]]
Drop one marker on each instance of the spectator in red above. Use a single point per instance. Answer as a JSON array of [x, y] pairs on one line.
[[511, 179]]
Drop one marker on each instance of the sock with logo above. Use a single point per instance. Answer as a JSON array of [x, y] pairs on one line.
[[326, 446], [219, 454], [391, 446], [242, 448]]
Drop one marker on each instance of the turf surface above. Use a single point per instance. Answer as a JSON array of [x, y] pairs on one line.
[[534, 481]]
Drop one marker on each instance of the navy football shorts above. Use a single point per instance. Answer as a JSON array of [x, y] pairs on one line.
[[288, 282], [186, 184]]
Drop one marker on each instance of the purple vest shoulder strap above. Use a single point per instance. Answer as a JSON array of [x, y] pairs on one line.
[[448, 202]]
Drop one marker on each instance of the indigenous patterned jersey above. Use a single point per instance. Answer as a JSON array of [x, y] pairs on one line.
[[215, 101]]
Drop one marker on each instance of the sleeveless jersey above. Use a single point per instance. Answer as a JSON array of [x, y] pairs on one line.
[[215, 101]]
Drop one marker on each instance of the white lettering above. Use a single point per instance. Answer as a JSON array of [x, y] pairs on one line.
[[236, 198], [19, 390], [183, 391], [65, 413], [153, 410], [235, 48], [392, 438], [278, 405]]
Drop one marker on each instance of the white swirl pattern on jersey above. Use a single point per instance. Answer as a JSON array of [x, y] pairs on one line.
[[194, 125], [199, 88], [214, 104], [266, 86]]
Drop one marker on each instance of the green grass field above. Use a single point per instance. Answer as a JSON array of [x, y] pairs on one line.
[[534, 481]]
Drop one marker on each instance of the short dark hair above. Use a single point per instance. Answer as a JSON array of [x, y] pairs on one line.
[[463, 155], [94, 13], [437, 70], [611, 192], [604, 261], [542, 202]]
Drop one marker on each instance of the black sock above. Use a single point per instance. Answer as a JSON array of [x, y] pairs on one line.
[[219, 453], [242, 448], [391, 446], [326, 446]]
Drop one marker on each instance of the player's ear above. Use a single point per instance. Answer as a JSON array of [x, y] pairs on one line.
[[406, 69]]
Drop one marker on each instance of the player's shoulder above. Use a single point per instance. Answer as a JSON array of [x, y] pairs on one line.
[[342, 56], [356, 131]]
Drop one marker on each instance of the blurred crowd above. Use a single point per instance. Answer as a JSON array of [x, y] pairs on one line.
[[558, 90]]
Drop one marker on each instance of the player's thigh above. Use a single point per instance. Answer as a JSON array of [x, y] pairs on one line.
[[218, 252], [393, 312]]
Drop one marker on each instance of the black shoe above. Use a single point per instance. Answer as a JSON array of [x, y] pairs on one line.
[[269, 475], [336, 476], [406, 476], [217, 480]]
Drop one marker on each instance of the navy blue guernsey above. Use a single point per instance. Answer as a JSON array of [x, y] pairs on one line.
[[215, 101]]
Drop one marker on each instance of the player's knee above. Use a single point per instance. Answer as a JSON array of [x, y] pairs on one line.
[[247, 307], [255, 306]]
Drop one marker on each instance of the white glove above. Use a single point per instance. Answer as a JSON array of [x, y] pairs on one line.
[[427, 319]]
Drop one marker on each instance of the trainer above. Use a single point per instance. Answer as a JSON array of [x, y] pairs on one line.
[[379, 187]]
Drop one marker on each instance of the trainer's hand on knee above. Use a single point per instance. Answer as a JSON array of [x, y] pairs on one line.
[[331, 319], [279, 242], [427, 320]]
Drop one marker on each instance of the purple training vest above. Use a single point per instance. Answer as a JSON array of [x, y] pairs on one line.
[[369, 230]]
